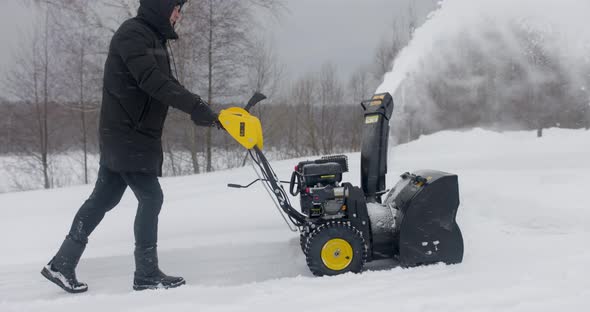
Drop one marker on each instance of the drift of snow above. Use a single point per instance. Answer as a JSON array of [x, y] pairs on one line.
[[524, 216]]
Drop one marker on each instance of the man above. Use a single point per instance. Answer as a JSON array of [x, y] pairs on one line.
[[138, 88]]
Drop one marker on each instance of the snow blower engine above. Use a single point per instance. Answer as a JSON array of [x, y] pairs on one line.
[[343, 226]]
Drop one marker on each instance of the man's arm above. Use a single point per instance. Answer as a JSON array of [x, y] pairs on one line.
[[133, 47]]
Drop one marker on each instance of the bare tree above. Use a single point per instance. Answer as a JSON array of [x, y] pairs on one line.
[[265, 73], [360, 87], [78, 37], [31, 81], [330, 94], [304, 98], [387, 51], [218, 31], [186, 54], [224, 35], [108, 14]]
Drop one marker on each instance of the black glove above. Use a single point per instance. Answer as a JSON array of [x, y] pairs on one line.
[[202, 115]]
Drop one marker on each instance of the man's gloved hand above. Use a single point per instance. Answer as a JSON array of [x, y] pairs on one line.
[[202, 115]]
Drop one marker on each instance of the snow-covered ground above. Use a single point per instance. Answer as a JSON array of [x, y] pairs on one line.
[[525, 217]]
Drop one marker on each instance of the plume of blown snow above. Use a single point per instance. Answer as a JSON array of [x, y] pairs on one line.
[[563, 25]]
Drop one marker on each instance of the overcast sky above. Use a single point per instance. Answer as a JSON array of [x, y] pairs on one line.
[[13, 18], [309, 33], [344, 32]]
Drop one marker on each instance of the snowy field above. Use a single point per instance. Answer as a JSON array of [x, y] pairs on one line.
[[525, 217]]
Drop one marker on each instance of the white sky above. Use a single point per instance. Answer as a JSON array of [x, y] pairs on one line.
[[344, 32], [14, 21], [312, 32]]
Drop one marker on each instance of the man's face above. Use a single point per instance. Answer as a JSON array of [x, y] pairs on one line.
[[175, 17]]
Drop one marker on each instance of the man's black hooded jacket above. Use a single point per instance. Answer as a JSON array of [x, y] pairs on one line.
[[138, 89]]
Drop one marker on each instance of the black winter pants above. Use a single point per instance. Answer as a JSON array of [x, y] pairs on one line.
[[107, 193]]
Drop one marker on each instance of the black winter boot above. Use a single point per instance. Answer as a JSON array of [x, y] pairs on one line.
[[61, 269], [147, 273]]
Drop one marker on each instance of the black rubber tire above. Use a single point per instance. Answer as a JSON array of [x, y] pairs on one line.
[[332, 230], [303, 241]]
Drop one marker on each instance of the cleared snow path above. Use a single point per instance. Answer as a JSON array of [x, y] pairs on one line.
[[525, 217]]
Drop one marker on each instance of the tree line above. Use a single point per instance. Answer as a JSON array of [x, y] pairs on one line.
[[52, 96], [55, 90]]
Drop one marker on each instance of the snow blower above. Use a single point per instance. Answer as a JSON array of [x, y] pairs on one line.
[[343, 226]]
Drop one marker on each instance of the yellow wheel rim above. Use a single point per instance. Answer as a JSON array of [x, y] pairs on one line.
[[337, 254]]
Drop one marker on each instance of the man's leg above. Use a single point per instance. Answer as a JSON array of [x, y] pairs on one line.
[[107, 193], [149, 194], [150, 197]]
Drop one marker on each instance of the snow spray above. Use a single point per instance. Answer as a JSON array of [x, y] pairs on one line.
[[561, 27]]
